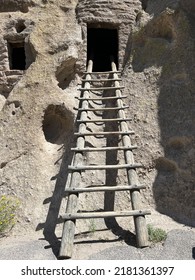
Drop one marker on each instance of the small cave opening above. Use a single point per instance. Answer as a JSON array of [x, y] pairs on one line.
[[57, 124], [65, 72], [102, 43], [20, 26], [144, 4], [17, 56]]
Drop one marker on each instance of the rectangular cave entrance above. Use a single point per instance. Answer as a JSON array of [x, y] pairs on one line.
[[17, 56], [102, 43]]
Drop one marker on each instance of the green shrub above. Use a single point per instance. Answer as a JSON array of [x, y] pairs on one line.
[[156, 234], [8, 208]]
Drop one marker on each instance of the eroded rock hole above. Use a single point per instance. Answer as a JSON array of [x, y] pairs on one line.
[[17, 56], [3, 164], [20, 26], [144, 4], [65, 73], [102, 43], [17, 104], [57, 124]]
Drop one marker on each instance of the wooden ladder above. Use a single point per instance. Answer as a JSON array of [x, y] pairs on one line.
[[114, 94]]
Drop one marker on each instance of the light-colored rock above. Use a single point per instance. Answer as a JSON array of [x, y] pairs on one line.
[[156, 56], [16, 5]]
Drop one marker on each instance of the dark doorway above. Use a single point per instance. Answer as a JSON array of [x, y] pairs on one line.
[[17, 57], [193, 253], [144, 4], [102, 43]]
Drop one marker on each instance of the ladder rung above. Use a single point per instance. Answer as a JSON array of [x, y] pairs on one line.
[[103, 109], [106, 72], [101, 80], [105, 214], [101, 88], [105, 120], [103, 149], [103, 98], [104, 133], [105, 188], [104, 167]]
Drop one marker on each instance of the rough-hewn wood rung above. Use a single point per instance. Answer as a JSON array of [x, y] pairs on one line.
[[103, 109], [101, 80], [103, 98], [104, 167], [122, 148], [105, 120], [130, 132], [101, 88], [105, 214], [106, 72], [105, 188]]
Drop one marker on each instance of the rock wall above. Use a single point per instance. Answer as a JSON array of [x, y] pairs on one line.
[[162, 64], [108, 14], [15, 5], [37, 116], [14, 33], [156, 56]]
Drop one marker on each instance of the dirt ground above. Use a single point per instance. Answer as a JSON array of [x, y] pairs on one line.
[[91, 242]]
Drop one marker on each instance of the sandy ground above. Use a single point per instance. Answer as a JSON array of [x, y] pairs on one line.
[[104, 244]]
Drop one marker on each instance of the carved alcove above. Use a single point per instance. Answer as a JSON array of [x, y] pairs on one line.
[[17, 54]]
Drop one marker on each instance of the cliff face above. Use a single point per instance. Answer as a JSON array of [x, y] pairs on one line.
[[164, 58], [37, 115], [37, 101], [120, 15], [15, 5]]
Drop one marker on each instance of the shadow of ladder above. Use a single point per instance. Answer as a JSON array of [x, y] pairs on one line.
[[77, 166]]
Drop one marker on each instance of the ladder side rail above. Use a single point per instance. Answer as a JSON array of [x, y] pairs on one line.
[[66, 248], [139, 221]]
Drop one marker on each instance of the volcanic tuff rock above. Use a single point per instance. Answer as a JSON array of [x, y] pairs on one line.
[[15, 5], [156, 56]]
